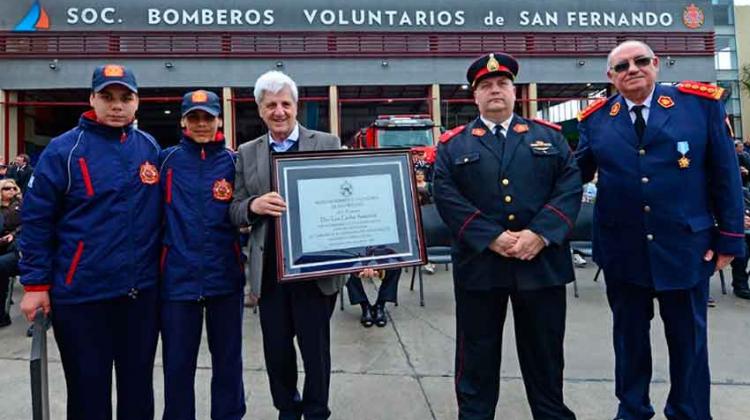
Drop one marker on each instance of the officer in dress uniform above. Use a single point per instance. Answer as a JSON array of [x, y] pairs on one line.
[[668, 214], [509, 190]]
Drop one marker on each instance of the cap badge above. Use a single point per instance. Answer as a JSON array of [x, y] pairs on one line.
[[493, 64], [199, 96], [113, 70]]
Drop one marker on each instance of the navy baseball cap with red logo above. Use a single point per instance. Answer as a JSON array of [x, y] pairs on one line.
[[203, 100], [113, 74], [494, 64]]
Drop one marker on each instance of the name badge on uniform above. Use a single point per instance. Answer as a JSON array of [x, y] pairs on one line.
[[682, 148]]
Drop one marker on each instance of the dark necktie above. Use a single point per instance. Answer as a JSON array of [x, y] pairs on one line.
[[640, 123], [499, 133]]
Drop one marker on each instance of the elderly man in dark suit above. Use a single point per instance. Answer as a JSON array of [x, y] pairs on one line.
[[286, 310]]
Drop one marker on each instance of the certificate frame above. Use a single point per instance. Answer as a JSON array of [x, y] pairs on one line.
[[347, 210]]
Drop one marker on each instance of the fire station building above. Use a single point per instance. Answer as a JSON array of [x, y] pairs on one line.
[[353, 60]]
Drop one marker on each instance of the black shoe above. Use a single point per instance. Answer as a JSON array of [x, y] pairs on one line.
[[378, 312], [743, 293], [366, 320], [711, 302], [4, 321]]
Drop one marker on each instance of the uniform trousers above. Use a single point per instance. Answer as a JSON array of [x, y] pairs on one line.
[[684, 314], [93, 336], [387, 292], [298, 310], [539, 320], [181, 331]]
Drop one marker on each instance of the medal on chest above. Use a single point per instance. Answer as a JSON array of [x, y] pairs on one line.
[[683, 147]]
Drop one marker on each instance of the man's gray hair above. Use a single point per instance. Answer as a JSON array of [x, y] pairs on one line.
[[626, 43], [274, 81]]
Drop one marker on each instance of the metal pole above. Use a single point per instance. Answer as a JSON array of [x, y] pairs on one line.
[[38, 368]]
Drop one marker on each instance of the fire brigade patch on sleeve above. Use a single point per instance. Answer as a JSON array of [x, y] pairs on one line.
[[149, 173], [222, 190]]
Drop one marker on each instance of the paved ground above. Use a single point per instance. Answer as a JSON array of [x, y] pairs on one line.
[[405, 371]]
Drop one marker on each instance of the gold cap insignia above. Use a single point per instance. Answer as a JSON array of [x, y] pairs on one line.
[[492, 63]]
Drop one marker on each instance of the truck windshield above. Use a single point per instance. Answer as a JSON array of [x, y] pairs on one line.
[[404, 137]]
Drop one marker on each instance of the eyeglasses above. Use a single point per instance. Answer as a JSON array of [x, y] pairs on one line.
[[640, 62], [9, 188]]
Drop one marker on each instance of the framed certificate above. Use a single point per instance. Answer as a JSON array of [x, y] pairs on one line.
[[346, 211]]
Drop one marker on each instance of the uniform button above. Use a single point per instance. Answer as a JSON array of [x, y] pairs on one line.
[[644, 180], [650, 237], [511, 217], [505, 182], [642, 152], [647, 208], [508, 199]]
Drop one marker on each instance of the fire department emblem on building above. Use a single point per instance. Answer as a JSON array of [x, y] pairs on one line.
[[149, 173], [693, 17], [222, 190]]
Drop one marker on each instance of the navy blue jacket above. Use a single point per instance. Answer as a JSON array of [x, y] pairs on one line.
[[653, 219], [92, 215], [484, 186], [201, 252]]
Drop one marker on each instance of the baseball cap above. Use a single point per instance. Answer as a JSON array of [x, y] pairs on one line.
[[111, 74], [203, 100]]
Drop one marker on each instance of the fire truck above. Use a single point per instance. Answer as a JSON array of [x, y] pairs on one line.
[[390, 131]]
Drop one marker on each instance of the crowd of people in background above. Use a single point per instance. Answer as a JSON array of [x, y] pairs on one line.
[[14, 179]]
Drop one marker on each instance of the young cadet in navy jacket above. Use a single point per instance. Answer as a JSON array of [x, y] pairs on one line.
[[201, 264], [90, 251]]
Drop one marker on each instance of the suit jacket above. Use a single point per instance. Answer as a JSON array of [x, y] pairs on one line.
[[253, 179], [484, 185], [21, 176], [653, 219]]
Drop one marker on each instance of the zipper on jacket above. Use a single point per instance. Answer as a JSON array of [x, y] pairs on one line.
[[123, 136], [202, 212], [74, 263], [86, 176], [168, 198]]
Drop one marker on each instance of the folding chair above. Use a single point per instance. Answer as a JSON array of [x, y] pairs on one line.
[[437, 239]]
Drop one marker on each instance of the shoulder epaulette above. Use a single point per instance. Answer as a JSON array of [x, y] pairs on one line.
[[595, 106], [703, 90], [547, 124], [448, 135]]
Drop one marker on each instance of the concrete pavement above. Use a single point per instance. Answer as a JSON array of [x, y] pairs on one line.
[[405, 370]]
